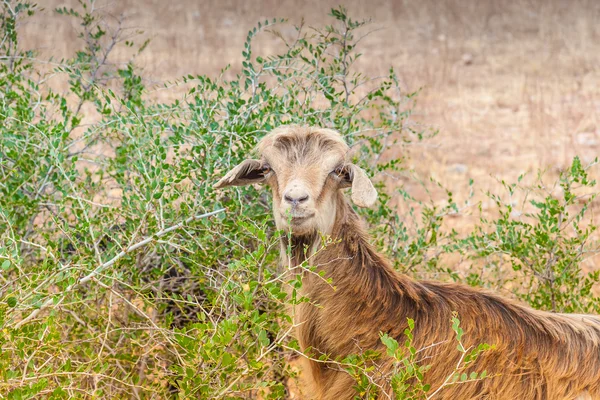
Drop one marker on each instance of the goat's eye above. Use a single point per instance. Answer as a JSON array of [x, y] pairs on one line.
[[339, 171], [266, 168]]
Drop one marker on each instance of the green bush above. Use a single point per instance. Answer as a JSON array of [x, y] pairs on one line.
[[124, 274]]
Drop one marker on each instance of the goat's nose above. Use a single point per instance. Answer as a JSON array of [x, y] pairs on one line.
[[295, 197]]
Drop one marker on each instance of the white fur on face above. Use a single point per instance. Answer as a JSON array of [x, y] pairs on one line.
[[302, 163], [317, 214]]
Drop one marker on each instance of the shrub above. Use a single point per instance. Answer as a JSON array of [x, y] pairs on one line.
[[116, 281], [125, 274]]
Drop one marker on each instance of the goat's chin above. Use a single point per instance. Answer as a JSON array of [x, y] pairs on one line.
[[297, 226]]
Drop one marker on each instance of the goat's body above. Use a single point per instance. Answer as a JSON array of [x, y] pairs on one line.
[[535, 355]]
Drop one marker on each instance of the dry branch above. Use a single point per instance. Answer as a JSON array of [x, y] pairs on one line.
[[113, 260]]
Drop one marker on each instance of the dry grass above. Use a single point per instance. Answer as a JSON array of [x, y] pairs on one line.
[[512, 86]]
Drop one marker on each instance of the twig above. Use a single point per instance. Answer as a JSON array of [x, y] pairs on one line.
[[113, 260], [263, 354]]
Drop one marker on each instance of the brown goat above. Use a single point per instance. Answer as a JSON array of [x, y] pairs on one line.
[[535, 354]]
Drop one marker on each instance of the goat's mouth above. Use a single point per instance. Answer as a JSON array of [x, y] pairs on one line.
[[297, 219]]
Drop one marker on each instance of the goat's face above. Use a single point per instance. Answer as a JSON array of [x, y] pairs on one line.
[[305, 168]]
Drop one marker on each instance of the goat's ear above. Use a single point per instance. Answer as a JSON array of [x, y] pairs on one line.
[[245, 173], [363, 191]]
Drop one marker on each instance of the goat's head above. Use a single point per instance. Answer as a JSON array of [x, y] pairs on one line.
[[305, 168]]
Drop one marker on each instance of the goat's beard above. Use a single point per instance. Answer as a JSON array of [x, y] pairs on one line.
[[299, 247]]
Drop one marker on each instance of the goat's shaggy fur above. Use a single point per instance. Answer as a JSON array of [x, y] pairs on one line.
[[535, 355]]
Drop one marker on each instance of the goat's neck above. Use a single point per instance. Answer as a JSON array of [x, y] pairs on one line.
[[347, 241], [343, 276]]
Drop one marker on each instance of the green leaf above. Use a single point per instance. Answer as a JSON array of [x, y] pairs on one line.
[[11, 301], [390, 343], [263, 338]]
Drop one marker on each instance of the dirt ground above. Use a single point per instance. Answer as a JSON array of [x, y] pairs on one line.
[[512, 86]]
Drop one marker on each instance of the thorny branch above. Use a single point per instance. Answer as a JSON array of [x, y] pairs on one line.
[[107, 264]]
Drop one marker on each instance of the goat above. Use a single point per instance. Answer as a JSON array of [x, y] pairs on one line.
[[535, 355]]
